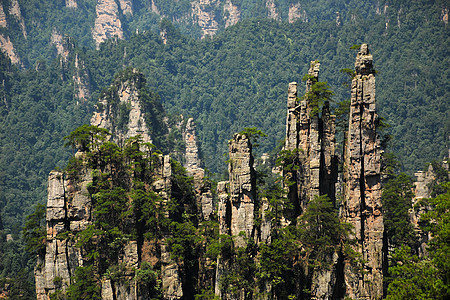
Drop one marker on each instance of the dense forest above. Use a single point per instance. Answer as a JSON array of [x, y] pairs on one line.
[[235, 79]]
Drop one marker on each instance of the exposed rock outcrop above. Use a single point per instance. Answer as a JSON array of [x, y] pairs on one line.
[[193, 167], [14, 10], [125, 117], [3, 22], [81, 80], [203, 13], [126, 6], [72, 3], [242, 188], [61, 46], [296, 12], [273, 10], [232, 13], [7, 46], [68, 210], [362, 191], [313, 136], [107, 22], [444, 15]]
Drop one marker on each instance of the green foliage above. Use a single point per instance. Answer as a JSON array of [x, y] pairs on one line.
[[320, 230], [350, 75], [234, 80], [319, 93], [253, 134], [148, 279], [276, 262], [441, 176], [427, 277], [355, 47], [289, 160], [85, 285], [240, 277], [397, 201], [437, 222], [34, 231], [341, 112], [86, 137]]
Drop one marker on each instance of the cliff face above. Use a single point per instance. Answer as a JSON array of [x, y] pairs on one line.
[[137, 210], [232, 14], [120, 111], [362, 190], [73, 211], [107, 23], [203, 13], [68, 210], [314, 136], [5, 42]]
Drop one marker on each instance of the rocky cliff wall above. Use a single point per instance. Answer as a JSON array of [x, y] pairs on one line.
[[121, 112], [107, 22], [68, 211], [314, 138], [362, 190]]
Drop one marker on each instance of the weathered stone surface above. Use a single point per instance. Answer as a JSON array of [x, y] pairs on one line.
[[7, 46], [14, 9], [3, 22], [71, 3], [61, 47], [362, 192], [203, 13], [237, 199], [324, 279], [242, 188], [296, 12], [422, 190], [126, 6], [81, 80], [192, 164], [171, 281], [107, 22], [273, 10], [314, 137], [232, 13], [61, 256], [128, 95]]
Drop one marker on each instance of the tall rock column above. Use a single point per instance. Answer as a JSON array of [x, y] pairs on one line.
[[314, 136], [242, 188], [237, 204], [362, 191]]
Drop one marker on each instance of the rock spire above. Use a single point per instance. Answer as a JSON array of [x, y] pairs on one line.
[[362, 184]]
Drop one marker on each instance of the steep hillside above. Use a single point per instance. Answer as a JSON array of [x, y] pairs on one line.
[[234, 80]]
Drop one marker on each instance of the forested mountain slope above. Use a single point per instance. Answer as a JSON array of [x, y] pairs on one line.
[[234, 80]]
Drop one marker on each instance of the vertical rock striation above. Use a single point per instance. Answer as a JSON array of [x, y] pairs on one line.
[[193, 167], [68, 210], [107, 22], [120, 111], [231, 14], [203, 13], [81, 80], [313, 136], [14, 10], [242, 188], [362, 191]]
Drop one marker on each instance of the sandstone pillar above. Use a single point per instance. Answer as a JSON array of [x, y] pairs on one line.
[[362, 192]]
